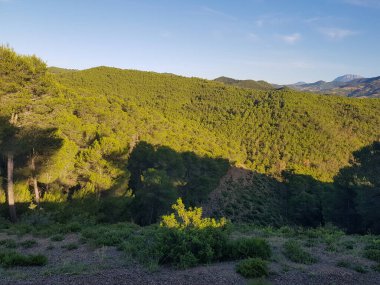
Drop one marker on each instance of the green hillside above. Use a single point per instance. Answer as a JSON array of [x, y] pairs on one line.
[[152, 137], [251, 84]]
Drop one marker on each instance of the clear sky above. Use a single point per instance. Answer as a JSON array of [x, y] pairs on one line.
[[281, 41]]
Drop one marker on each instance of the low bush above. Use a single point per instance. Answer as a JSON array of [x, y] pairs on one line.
[[343, 263], [372, 250], [28, 243], [373, 254], [248, 247], [70, 246], [111, 235], [295, 253], [11, 259], [57, 237], [8, 243], [252, 268], [189, 247]]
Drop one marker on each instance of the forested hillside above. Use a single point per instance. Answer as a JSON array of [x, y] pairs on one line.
[[151, 138], [252, 84]]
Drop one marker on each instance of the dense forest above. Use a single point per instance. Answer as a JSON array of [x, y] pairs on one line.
[[123, 145]]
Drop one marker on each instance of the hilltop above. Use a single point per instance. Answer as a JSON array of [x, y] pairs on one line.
[[258, 85]]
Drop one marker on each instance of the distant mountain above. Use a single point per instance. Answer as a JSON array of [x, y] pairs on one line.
[[251, 84], [347, 78], [300, 83], [346, 85]]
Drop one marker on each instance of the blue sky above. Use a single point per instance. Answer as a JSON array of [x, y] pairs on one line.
[[281, 41]]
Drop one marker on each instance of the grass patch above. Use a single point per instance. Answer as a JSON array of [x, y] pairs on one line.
[[294, 252], [248, 247], [68, 269], [112, 235], [28, 243], [360, 269], [57, 237], [376, 267], [12, 259], [70, 246], [258, 281], [8, 243], [252, 268], [343, 263], [372, 250]]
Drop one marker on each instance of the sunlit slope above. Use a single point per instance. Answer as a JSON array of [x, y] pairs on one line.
[[267, 131]]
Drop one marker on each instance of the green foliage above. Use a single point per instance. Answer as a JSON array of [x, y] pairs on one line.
[[57, 237], [103, 131], [28, 243], [189, 218], [70, 246], [8, 243], [11, 259], [372, 251], [252, 268], [113, 235], [343, 263], [187, 248], [252, 84], [248, 247], [295, 253]]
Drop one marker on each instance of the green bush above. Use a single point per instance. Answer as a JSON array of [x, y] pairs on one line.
[[295, 253], [28, 243], [343, 263], [248, 247], [70, 246], [373, 254], [11, 259], [143, 246], [111, 235], [252, 268], [57, 237], [189, 247], [8, 243], [372, 250]]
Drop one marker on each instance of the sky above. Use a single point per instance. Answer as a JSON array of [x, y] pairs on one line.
[[280, 41]]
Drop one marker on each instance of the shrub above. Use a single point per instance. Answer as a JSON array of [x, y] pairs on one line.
[[372, 251], [113, 235], [187, 248], [252, 268], [143, 246], [295, 253], [248, 247], [57, 237], [360, 269], [373, 254], [8, 243], [11, 259], [343, 263], [186, 218], [28, 243], [70, 246]]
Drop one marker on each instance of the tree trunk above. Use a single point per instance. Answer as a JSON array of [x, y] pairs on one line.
[[34, 180], [36, 191], [10, 189]]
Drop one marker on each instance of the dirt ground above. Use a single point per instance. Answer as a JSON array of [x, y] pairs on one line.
[[84, 264]]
